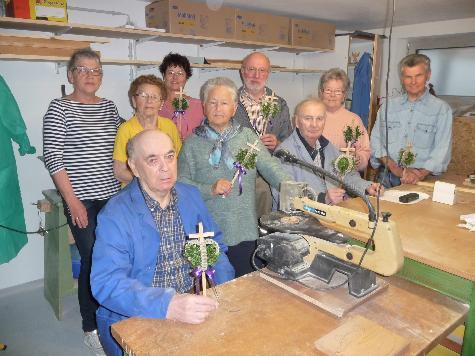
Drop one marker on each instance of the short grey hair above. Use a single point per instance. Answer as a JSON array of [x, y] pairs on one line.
[[334, 74], [311, 99], [218, 82], [130, 147], [83, 53], [413, 60]]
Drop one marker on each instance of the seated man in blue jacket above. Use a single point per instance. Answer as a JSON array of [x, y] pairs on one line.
[[138, 268]]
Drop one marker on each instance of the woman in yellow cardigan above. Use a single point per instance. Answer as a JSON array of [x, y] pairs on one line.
[[146, 95]]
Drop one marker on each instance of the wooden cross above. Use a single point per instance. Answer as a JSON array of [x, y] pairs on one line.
[[271, 98], [180, 95], [252, 147], [200, 236], [348, 149]]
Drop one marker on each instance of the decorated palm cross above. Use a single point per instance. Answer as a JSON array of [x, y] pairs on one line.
[[180, 104], [406, 157], [202, 254], [269, 108], [346, 162], [245, 159]]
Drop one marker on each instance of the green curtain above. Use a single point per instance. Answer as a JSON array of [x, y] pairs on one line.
[[12, 127]]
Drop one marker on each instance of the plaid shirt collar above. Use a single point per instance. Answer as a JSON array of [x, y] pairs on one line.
[[153, 205]]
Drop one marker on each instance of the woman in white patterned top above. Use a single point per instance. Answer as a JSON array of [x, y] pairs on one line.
[[78, 139]]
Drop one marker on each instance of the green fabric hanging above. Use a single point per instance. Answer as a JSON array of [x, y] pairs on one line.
[[12, 127]]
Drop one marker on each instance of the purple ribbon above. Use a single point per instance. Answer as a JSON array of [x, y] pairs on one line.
[[178, 116], [198, 271], [242, 171]]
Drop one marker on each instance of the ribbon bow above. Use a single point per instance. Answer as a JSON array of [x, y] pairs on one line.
[[198, 271], [242, 171]]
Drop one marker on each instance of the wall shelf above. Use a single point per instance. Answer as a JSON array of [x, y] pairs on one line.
[[142, 35], [129, 33]]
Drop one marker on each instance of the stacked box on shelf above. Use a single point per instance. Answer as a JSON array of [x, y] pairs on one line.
[[185, 18], [18, 8], [51, 10], [314, 34], [261, 27]]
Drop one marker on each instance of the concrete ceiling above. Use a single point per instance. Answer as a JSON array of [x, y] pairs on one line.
[[350, 15]]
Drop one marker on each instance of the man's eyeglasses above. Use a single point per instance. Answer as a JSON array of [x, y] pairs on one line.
[[254, 71], [336, 92], [148, 97], [172, 73], [83, 71]]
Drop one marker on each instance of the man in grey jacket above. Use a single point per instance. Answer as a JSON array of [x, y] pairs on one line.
[[255, 70], [308, 144]]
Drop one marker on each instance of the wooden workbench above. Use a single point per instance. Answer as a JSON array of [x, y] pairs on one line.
[[256, 317], [437, 253]]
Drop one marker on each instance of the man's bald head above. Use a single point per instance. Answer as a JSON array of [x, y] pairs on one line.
[[152, 159], [255, 56], [139, 140]]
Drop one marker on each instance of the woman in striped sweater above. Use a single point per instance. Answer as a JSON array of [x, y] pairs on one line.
[[78, 139]]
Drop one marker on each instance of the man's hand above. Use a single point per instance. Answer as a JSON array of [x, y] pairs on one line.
[[78, 213], [190, 308], [334, 196], [413, 175], [270, 141], [221, 187], [373, 189]]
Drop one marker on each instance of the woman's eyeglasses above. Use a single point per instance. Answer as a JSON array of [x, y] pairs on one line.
[[83, 71], [149, 97]]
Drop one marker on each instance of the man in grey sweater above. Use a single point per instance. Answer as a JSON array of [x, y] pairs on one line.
[[255, 70]]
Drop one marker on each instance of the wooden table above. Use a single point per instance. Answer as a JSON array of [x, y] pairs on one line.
[[437, 253], [255, 317]]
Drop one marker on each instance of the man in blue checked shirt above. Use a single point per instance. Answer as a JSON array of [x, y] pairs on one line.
[[138, 267], [417, 119]]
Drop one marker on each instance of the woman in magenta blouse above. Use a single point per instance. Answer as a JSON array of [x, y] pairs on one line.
[[176, 70]]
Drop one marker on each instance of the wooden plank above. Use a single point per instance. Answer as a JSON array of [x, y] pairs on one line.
[[257, 318], [360, 336], [429, 232], [337, 301]]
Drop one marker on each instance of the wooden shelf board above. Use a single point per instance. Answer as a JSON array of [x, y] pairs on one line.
[[140, 34]]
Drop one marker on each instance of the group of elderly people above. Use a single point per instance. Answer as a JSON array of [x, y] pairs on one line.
[[136, 252]]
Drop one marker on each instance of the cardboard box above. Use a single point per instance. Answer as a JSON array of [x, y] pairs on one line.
[[51, 10], [182, 17], [308, 33], [262, 27], [18, 8]]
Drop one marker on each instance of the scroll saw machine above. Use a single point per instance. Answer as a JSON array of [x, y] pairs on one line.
[[322, 247]]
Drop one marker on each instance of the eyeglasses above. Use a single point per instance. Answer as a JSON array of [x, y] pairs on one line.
[[336, 92], [83, 71], [172, 73], [254, 71], [149, 97]]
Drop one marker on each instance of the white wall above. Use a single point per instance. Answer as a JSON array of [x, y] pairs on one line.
[[399, 46], [34, 84]]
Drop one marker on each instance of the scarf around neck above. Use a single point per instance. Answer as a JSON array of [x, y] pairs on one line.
[[220, 150]]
